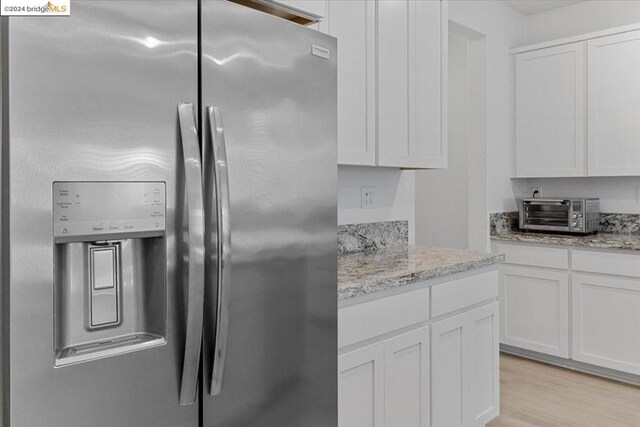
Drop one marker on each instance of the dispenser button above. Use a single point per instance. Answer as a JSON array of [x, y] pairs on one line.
[[103, 261], [104, 289]]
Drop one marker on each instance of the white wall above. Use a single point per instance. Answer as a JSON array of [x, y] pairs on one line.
[[503, 28], [394, 195], [451, 204], [442, 196], [617, 194], [580, 18]]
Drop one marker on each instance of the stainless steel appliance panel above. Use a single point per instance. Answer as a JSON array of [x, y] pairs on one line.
[[92, 97], [277, 108]]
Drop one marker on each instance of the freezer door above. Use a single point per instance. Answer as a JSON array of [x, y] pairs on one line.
[[94, 97], [274, 83]]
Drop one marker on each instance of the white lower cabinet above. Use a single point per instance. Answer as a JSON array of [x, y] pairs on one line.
[[606, 321], [593, 321], [400, 367], [361, 387], [449, 384], [534, 311], [406, 379], [387, 383], [484, 372], [465, 368]]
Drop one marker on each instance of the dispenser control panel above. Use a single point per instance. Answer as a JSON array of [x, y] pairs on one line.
[[107, 208]]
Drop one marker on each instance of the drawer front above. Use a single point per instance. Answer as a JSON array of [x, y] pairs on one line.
[[457, 294], [606, 263], [373, 318], [534, 256]]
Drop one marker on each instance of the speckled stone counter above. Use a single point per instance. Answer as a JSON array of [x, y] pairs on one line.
[[601, 241], [372, 271]]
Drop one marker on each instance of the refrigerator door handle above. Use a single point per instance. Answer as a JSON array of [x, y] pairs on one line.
[[218, 148], [195, 265]]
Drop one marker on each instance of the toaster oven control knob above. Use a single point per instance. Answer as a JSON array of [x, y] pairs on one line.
[[574, 224], [574, 216]]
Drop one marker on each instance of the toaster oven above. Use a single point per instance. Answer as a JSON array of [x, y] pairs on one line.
[[579, 216]]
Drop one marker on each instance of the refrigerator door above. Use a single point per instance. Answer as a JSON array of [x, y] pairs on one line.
[[94, 97], [274, 83]]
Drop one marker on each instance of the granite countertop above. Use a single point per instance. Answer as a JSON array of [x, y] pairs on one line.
[[602, 241], [363, 273]]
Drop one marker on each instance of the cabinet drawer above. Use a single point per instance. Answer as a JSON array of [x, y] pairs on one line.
[[457, 294], [606, 263], [534, 256], [367, 320]]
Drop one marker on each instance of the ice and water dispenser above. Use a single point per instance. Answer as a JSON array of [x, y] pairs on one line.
[[110, 268]]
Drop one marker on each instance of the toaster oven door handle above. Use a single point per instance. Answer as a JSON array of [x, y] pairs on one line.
[[547, 202]]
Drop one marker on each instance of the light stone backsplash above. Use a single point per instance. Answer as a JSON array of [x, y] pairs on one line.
[[370, 236], [503, 222], [620, 223]]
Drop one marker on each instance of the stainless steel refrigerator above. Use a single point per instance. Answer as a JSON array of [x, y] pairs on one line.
[[168, 228]]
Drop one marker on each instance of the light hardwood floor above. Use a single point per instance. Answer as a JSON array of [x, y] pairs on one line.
[[536, 394]]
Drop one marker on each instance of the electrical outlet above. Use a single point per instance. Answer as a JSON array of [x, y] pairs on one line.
[[533, 193], [368, 198]]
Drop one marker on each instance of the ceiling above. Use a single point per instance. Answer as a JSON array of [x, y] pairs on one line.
[[530, 7]]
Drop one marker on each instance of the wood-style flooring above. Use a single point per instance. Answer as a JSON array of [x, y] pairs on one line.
[[536, 394]]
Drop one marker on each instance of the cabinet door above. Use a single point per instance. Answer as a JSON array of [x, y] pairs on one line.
[[406, 379], [361, 387], [606, 321], [484, 372], [534, 309], [449, 372], [352, 22], [411, 63], [614, 105], [549, 112]]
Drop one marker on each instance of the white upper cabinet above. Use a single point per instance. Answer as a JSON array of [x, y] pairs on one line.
[[576, 106], [392, 68], [352, 22], [614, 105], [549, 129], [411, 89]]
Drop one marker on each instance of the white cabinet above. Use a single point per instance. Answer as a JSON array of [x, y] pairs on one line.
[[549, 129], [534, 309], [399, 366], [392, 85], [411, 83], [449, 384], [406, 379], [606, 321], [387, 383], [484, 372], [593, 321], [353, 22], [361, 387], [465, 368], [614, 105]]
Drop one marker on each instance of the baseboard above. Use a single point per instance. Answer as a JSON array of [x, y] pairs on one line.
[[573, 365]]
